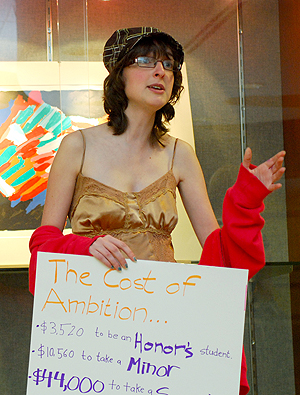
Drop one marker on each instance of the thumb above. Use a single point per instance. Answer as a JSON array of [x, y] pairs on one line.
[[247, 158]]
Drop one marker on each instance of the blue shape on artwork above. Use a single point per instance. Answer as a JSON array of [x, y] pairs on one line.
[[15, 202], [5, 112], [37, 200]]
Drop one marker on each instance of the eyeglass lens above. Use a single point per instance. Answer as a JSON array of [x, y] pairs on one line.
[[146, 61]]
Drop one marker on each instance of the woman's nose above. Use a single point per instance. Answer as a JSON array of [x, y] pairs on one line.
[[159, 68]]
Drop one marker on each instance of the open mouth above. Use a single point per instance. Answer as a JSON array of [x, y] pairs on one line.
[[157, 87]]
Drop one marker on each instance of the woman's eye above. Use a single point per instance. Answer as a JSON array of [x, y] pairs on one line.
[[145, 60], [168, 64]]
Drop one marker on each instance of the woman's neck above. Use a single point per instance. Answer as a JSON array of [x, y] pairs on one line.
[[140, 125]]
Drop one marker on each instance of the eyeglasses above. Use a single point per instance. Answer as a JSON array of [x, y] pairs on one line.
[[150, 63]]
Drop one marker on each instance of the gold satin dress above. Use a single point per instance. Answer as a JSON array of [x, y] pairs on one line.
[[144, 220]]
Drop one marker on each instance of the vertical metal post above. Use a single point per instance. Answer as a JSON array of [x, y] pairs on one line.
[[57, 27], [241, 77], [59, 55], [86, 47], [49, 31], [86, 30], [251, 328], [243, 133]]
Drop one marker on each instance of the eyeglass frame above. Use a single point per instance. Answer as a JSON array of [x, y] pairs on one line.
[[176, 65]]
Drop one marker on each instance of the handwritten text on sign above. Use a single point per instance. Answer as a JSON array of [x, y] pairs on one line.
[[155, 328]]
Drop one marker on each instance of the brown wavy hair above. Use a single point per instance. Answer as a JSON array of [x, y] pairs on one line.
[[114, 97]]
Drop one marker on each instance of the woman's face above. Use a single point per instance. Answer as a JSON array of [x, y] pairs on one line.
[[148, 88]]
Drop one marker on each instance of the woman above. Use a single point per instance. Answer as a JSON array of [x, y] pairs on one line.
[[119, 182]]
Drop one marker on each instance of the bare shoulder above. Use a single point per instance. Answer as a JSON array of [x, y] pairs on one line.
[[183, 149], [185, 154], [98, 132], [72, 141], [69, 154], [186, 162]]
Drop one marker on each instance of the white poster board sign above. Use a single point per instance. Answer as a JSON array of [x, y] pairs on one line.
[[155, 328]]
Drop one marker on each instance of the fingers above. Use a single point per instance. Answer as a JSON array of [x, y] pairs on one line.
[[109, 251], [278, 172], [275, 163], [274, 187], [269, 172], [247, 158]]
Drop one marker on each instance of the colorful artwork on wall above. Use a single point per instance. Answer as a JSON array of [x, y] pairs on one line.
[[31, 131]]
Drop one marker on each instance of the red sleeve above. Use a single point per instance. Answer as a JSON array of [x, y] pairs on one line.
[[50, 239], [241, 232], [239, 243]]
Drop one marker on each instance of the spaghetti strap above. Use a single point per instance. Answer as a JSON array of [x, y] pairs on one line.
[[175, 144], [84, 147]]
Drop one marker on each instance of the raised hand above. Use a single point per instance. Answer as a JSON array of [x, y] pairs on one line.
[[268, 172]]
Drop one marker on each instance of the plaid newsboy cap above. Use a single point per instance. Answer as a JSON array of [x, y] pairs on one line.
[[123, 40]]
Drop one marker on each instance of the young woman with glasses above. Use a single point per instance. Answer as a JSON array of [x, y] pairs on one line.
[[119, 180]]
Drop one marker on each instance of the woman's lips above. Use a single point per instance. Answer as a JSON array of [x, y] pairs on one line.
[[157, 87]]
